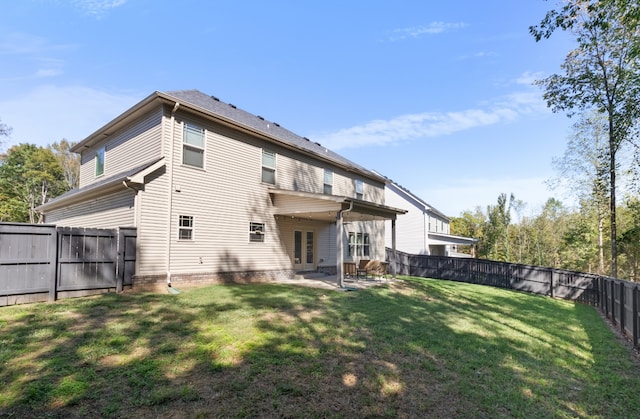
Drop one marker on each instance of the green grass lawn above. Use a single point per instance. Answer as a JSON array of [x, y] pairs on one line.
[[413, 348]]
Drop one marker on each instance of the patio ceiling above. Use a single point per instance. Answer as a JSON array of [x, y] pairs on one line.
[[322, 207]]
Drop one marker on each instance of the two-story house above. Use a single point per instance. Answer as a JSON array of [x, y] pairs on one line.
[[423, 230], [219, 194]]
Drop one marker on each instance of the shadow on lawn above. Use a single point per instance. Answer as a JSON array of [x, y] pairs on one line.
[[401, 350]]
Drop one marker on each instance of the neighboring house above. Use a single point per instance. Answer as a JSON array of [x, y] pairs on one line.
[[423, 230], [219, 194]]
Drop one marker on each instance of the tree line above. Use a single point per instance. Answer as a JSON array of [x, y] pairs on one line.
[[30, 175], [554, 236]]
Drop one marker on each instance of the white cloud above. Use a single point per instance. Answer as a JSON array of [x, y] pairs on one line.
[[34, 54], [20, 43], [98, 8], [529, 78], [413, 127], [432, 28], [50, 113], [479, 54]]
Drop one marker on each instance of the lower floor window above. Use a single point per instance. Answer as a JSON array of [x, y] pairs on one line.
[[359, 244], [256, 232], [185, 227]]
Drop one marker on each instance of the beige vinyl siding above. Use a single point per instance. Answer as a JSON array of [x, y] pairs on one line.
[[153, 225], [128, 148], [375, 229], [301, 205], [411, 228], [297, 173], [223, 198], [227, 194], [327, 246], [324, 233], [109, 211], [344, 185]]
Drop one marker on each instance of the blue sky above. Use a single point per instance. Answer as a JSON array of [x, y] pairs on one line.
[[435, 95]]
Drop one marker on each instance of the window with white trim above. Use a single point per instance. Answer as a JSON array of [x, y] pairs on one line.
[[185, 227], [256, 232], [268, 166], [359, 188], [328, 182], [359, 244], [193, 145], [100, 161]]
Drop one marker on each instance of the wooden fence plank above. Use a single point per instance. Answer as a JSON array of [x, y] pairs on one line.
[[37, 260]]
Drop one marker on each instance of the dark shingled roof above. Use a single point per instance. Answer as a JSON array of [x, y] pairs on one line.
[[111, 180], [214, 105]]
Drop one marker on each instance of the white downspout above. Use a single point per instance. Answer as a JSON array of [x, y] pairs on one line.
[[170, 197], [339, 230]]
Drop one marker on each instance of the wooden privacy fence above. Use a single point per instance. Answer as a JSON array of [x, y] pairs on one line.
[[45, 262], [617, 299]]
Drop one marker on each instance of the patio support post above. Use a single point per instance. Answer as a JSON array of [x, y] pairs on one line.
[[339, 258], [393, 249]]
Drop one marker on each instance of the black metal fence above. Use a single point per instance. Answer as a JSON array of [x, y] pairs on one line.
[[45, 262], [616, 298]]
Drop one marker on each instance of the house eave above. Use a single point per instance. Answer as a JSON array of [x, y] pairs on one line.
[[64, 201], [132, 180], [441, 238]]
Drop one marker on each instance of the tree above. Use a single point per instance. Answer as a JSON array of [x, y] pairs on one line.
[[70, 162], [497, 228], [630, 240], [5, 131], [580, 249], [29, 176], [584, 170], [548, 230], [469, 224], [602, 73]]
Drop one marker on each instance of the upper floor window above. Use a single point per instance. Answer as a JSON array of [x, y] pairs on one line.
[[359, 189], [100, 161], [193, 146], [328, 182], [268, 166]]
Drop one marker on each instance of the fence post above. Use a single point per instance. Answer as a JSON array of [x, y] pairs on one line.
[[119, 259], [634, 312], [54, 245], [612, 295], [551, 282], [623, 288]]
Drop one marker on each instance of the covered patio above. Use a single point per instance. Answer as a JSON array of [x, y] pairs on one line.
[[338, 210]]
